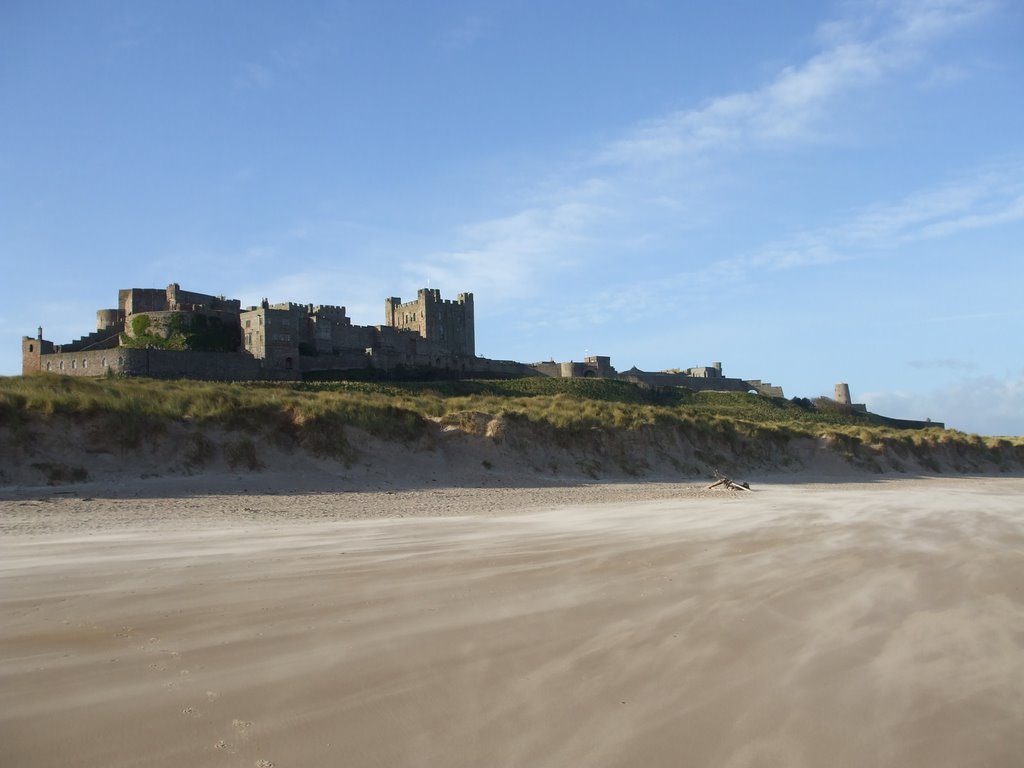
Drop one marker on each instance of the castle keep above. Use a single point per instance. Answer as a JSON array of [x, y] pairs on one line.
[[172, 333]]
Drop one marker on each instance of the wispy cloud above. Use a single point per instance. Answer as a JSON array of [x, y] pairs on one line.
[[985, 198], [252, 74], [886, 37], [501, 256], [924, 215], [277, 66], [464, 33], [975, 316], [875, 41]]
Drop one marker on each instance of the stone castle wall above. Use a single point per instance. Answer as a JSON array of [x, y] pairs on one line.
[[696, 383], [154, 363]]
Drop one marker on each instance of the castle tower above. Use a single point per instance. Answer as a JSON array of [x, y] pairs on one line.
[[842, 394], [32, 351], [107, 319], [448, 325]]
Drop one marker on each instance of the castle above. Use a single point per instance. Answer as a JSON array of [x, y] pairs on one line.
[[173, 333]]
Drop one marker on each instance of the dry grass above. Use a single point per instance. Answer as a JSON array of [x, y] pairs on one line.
[[316, 415]]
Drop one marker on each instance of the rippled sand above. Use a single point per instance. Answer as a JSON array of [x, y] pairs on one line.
[[799, 625]]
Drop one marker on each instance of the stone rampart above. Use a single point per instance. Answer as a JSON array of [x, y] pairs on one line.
[[696, 383], [92, 363], [885, 421], [154, 363], [211, 366]]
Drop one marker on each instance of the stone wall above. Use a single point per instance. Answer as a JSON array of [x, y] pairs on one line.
[[211, 366], [906, 423], [696, 383], [155, 363]]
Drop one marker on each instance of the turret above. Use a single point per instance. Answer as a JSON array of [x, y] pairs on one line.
[[32, 351], [106, 319]]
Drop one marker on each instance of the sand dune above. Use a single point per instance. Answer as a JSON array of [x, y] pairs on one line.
[[801, 625]]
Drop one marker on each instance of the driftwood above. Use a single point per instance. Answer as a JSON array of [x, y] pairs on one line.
[[728, 483]]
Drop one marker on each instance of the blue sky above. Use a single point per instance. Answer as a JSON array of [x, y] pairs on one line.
[[809, 192]]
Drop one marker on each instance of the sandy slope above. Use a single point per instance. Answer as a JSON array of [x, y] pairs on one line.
[[801, 625]]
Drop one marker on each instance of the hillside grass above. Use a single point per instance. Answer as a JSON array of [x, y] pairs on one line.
[[316, 412]]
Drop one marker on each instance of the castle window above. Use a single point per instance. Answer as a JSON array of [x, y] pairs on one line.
[[47, 366], [248, 323], [73, 365], [85, 363], [62, 365], [103, 362], [31, 348]]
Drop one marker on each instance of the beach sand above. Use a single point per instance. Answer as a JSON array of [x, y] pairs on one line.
[[814, 624]]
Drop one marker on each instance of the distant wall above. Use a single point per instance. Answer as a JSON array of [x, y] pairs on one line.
[[885, 421], [697, 383]]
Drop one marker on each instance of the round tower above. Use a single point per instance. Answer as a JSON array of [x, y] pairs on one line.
[[106, 319], [842, 394]]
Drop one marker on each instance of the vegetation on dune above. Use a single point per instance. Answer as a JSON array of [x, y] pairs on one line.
[[315, 414]]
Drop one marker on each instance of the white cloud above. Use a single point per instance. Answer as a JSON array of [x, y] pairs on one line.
[[923, 215], [983, 405], [975, 316], [986, 198], [789, 106], [509, 254], [989, 197], [502, 257]]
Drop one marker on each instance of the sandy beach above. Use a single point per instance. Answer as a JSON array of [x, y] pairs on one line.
[[656, 624]]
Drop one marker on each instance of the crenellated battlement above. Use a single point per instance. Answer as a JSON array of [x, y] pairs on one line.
[[446, 323]]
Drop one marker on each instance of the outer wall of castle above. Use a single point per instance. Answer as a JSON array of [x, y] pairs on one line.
[[155, 363]]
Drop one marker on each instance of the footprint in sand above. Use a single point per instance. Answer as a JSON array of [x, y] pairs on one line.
[[241, 724], [191, 712], [211, 695], [264, 764]]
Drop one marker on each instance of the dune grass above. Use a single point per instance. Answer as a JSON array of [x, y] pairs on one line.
[[316, 413]]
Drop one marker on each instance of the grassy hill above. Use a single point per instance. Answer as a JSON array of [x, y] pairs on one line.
[[593, 427]]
